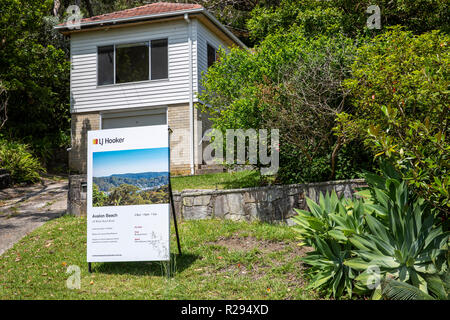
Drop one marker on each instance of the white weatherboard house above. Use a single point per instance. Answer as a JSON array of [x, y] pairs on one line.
[[139, 67]]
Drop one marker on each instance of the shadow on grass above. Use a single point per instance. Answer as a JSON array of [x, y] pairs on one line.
[[250, 180], [154, 268]]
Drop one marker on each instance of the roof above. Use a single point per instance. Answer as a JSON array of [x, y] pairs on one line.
[[151, 11]]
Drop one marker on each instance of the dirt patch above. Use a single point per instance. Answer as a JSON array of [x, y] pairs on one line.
[[236, 243], [289, 252]]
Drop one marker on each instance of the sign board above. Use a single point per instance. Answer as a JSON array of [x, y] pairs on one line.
[[128, 194]]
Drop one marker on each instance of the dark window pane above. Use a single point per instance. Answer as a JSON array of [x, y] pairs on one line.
[[211, 55], [132, 62], [105, 65], [160, 59]]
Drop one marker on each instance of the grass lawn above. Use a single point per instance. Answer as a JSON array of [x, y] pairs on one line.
[[225, 180], [221, 260]]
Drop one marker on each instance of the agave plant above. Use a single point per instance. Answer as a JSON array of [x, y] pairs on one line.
[[327, 266], [327, 227], [333, 218], [439, 287], [406, 245]]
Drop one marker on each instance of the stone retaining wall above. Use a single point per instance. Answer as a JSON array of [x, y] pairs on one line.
[[5, 179], [269, 204]]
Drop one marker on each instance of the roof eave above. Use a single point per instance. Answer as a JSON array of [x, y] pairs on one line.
[[223, 28], [66, 29]]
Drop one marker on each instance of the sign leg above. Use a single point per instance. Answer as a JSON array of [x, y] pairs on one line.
[[89, 267], [174, 217], [168, 268]]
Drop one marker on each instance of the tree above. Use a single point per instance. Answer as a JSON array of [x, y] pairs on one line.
[[34, 70], [348, 17], [124, 194], [3, 104], [99, 198], [400, 90], [291, 82], [306, 99]]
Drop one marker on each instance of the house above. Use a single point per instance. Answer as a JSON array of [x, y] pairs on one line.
[[140, 67]]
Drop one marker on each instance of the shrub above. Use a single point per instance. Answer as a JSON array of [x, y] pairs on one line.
[[17, 159], [399, 86], [284, 83]]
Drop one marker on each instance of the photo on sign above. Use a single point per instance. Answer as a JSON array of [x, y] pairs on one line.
[[130, 177]]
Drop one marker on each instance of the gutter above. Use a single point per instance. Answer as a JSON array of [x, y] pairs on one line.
[[191, 94]]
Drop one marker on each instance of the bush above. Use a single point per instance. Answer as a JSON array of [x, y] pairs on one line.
[[347, 17], [389, 231], [286, 84], [399, 86], [16, 158]]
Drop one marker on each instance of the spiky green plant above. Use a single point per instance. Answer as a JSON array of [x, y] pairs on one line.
[[408, 244], [439, 287], [326, 227]]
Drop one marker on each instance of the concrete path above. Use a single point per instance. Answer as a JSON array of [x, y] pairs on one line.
[[23, 209]]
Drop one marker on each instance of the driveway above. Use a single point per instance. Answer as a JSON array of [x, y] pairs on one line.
[[23, 209]]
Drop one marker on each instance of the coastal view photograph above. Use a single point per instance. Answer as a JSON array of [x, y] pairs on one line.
[[130, 177]]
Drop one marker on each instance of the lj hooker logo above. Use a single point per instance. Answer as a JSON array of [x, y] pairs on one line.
[[108, 141]]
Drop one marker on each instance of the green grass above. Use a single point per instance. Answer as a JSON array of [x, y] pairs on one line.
[[221, 260], [225, 180]]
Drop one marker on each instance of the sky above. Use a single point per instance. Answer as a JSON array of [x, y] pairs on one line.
[[130, 161]]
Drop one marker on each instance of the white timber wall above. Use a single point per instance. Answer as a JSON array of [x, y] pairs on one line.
[[86, 96], [205, 36]]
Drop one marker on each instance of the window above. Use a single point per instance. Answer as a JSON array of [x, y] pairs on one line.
[[105, 65], [159, 59], [133, 62], [212, 55]]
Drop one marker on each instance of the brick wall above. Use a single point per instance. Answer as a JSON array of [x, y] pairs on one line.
[[178, 121], [81, 124]]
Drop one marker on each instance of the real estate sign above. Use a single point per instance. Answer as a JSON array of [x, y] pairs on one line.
[[128, 194]]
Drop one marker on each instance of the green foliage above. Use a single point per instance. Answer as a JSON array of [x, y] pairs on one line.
[[35, 71], [312, 17], [99, 198], [347, 17], [231, 85], [400, 90], [20, 163], [126, 194], [388, 228], [439, 287], [407, 244], [288, 74], [327, 228]]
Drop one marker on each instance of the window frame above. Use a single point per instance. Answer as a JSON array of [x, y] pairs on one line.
[[216, 50], [149, 42]]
